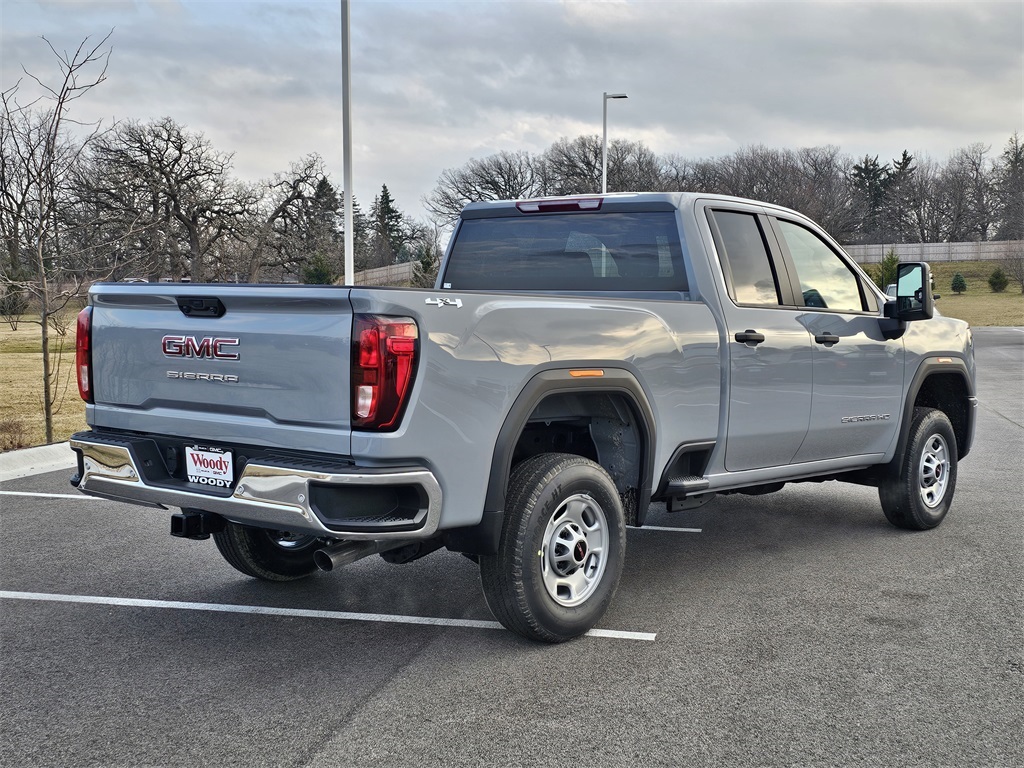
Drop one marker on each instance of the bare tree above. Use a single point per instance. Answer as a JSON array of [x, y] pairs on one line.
[[427, 253], [504, 176], [965, 190], [176, 182], [927, 215], [39, 160], [824, 192], [572, 167], [633, 167], [1012, 261], [296, 216]]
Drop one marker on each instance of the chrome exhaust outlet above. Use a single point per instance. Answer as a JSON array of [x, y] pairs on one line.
[[347, 552]]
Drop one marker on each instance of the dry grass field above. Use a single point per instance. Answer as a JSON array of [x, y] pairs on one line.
[[21, 390], [21, 397], [978, 305]]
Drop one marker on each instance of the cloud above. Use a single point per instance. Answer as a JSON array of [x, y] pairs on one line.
[[435, 83]]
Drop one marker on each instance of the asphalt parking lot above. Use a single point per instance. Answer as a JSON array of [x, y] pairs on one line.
[[798, 628]]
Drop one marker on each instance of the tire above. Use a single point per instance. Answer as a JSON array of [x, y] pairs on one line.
[[561, 551], [918, 490], [266, 554]]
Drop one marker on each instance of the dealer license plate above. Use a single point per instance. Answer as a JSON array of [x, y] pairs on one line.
[[209, 466]]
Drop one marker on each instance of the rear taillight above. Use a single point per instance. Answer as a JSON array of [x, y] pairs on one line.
[[384, 353], [83, 354]]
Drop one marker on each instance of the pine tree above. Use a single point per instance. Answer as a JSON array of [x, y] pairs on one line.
[[998, 280], [888, 270], [1009, 187], [319, 270], [959, 284], [360, 235], [388, 227], [869, 179]]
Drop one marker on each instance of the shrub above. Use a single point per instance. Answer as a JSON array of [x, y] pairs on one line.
[[318, 270], [13, 304], [959, 284], [12, 435], [888, 269], [998, 280]]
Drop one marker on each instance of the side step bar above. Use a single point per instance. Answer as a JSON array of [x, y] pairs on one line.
[[687, 493], [687, 486]]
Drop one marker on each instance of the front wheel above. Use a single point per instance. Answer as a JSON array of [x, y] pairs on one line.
[[266, 554], [918, 490], [561, 551]]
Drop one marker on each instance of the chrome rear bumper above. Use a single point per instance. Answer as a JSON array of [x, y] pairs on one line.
[[297, 499]]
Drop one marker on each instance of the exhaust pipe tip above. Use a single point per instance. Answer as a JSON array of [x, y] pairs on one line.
[[346, 552], [322, 559]]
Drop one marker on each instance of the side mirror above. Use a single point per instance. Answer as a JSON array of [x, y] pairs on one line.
[[914, 298]]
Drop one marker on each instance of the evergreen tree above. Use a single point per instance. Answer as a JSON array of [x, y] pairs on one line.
[[896, 216], [1009, 190], [888, 270], [868, 180], [360, 235], [318, 270], [389, 231], [959, 284], [322, 238], [998, 280]]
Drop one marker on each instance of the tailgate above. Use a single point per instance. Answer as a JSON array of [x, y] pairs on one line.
[[259, 365]]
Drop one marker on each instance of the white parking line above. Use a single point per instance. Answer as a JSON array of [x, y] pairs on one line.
[[263, 610], [664, 528], [80, 496]]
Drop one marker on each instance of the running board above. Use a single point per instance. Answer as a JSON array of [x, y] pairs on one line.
[[687, 486], [687, 493]]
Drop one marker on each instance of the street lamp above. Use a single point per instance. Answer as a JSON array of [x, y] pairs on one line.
[[604, 142]]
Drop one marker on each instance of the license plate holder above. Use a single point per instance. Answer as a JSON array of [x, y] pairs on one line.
[[212, 467]]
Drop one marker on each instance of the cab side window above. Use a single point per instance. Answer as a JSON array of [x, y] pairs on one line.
[[825, 280], [744, 255]]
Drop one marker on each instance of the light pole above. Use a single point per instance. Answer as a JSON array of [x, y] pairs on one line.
[[346, 141], [604, 141]]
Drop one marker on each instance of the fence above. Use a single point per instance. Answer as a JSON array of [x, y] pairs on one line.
[[931, 252], [392, 274]]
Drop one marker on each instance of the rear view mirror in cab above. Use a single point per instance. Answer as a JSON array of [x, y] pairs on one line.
[[914, 300]]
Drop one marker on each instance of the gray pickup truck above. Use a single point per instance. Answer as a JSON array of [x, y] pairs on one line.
[[578, 359]]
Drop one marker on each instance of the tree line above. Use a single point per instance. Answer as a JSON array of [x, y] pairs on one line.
[[972, 196], [156, 200]]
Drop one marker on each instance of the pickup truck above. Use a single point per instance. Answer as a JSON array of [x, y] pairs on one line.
[[577, 359]]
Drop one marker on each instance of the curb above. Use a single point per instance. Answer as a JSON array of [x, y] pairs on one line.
[[36, 461]]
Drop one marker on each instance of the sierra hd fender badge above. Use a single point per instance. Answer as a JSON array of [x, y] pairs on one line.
[[445, 302], [858, 419]]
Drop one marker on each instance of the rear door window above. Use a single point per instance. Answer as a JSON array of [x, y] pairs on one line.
[[749, 273]]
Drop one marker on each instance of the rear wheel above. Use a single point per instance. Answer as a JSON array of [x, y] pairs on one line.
[[561, 551], [266, 554], [918, 490]]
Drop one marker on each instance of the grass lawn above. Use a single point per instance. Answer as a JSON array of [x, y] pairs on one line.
[[21, 390], [21, 369], [978, 305]]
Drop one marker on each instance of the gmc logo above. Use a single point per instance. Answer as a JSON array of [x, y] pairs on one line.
[[210, 347]]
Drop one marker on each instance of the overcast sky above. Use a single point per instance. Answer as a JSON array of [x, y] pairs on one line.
[[436, 83]]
